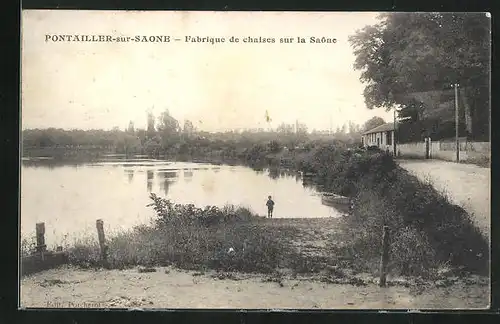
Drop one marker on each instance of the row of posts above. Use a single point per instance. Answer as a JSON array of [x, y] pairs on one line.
[[41, 247]]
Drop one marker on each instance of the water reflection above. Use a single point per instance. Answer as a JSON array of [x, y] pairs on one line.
[[95, 191], [274, 173], [188, 175], [168, 178], [208, 182], [308, 183], [130, 174], [258, 170], [149, 180]]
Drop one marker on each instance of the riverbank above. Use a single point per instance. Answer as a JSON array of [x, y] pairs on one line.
[[169, 287], [309, 270], [430, 238]]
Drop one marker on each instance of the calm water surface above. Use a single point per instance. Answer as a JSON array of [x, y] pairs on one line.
[[69, 199]]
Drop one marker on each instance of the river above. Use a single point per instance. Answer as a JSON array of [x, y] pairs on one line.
[[70, 198]]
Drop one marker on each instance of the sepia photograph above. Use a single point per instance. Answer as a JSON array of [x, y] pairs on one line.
[[255, 160]]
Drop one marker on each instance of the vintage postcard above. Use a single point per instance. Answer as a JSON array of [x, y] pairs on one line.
[[255, 160]]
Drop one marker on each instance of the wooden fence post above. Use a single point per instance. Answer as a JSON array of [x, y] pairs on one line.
[[102, 241], [385, 256], [40, 237]]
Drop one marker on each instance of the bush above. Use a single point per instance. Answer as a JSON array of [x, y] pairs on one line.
[[170, 213], [197, 247], [192, 238], [373, 148]]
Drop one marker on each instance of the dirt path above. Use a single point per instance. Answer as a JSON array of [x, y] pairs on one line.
[[310, 236], [172, 288], [466, 185]]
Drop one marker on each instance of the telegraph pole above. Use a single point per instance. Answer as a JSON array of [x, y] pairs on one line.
[[456, 122], [394, 134]]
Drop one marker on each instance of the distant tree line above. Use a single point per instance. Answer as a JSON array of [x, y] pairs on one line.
[[165, 136]]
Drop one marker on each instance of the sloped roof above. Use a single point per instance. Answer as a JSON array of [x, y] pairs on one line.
[[382, 128]]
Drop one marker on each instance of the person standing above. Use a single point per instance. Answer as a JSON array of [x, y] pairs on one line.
[[270, 207]]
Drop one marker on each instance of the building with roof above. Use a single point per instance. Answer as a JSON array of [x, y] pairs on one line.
[[381, 136]]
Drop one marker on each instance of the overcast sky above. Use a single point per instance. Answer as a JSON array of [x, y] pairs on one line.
[[93, 85]]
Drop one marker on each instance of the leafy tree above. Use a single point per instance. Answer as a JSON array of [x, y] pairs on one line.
[[168, 128], [45, 140], [142, 135], [151, 129], [152, 146], [407, 54], [274, 146], [131, 128], [373, 122], [301, 129], [127, 143], [285, 129], [188, 128]]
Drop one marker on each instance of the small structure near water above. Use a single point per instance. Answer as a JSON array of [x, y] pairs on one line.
[[339, 202]]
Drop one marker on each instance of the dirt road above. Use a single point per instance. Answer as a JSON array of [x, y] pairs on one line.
[[466, 185], [172, 288]]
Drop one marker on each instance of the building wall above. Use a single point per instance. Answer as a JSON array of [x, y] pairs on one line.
[[446, 150], [371, 140], [479, 147], [411, 150]]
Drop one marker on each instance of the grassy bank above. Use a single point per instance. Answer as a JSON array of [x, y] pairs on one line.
[[192, 238], [428, 233]]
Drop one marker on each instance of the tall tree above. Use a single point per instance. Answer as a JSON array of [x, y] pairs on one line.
[[151, 130], [168, 128], [188, 128], [301, 128], [285, 129], [407, 57], [353, 127], [131, 128]]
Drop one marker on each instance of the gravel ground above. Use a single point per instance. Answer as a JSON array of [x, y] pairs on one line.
[[173, 288]]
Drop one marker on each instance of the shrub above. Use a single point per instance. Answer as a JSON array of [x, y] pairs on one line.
[[170, 213], [191, 238], [190, 246]]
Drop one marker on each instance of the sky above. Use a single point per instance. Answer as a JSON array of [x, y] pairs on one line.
[[223, 86]]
